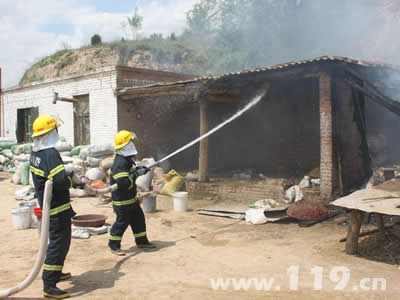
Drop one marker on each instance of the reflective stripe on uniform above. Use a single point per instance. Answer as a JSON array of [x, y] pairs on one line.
[[37, 171], [59, 209], [124, 202], [138, 235], [52, 267], [115, 238], [120, 175], [55, 171], [131, 186]]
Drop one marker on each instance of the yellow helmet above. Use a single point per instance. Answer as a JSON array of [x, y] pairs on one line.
[[123, 138], [44, 124]]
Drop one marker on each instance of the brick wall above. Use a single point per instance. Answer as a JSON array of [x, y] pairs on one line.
[[103, 111], [326, 144], [237, 191], [162, 125]]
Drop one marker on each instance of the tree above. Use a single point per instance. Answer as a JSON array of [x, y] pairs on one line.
[[95, 40], [135, 23], [172, 37], [201, 19]]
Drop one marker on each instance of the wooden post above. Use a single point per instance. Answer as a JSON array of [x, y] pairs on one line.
[[203, 155], [356, 218], [379, 223]]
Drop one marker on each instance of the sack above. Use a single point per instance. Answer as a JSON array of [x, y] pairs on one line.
[[7, 145], [93, 162], [143, 182], [174, 183], [25, 173], [24, 192], [95, 174], [23, 157], [7, 153], [77, 162], [106, 163], [256, 216], [305, 182], [83, 153], [100, 150], [76, 193], [2, 160], [16, 179], [63, 146], [67, 159], [77, 150], [293, 193], [19, 150], [28, 148]]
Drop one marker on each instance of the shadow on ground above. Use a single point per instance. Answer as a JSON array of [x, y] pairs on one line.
[[105, 279]]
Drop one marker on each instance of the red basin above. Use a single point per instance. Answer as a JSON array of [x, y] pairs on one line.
[[89, 220]]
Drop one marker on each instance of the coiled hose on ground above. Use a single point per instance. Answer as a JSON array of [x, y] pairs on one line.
[[44, 237]]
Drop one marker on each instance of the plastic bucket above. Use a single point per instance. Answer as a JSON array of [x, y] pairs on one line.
[[149, 203], [21, 217], [31, 205], [180, 201]]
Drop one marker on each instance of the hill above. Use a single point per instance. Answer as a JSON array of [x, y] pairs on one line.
[[156, 53]]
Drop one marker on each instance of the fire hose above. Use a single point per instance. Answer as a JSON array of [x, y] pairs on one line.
[[44, 237]]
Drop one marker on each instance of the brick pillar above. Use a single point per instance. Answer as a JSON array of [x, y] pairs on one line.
[[326, 141]]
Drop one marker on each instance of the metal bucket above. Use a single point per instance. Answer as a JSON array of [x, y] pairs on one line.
[[149, 203]]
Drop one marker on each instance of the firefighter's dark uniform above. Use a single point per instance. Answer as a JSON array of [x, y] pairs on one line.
[[125, 203], [47, 164]]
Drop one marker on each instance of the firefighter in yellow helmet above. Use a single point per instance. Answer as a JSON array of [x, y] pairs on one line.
[[46, 164], [125, 203]]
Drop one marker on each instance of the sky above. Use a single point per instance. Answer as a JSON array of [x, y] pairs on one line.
[[33, 29]]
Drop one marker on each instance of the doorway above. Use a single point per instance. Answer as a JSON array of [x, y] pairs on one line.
[[82, 120], [25, 118]]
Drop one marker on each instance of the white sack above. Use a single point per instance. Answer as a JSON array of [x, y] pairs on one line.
[[293, 193], [95, 174], [100, 150], [143, 182], [256, 216]]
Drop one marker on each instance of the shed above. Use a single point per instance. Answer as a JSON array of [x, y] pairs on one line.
[[334, 114]]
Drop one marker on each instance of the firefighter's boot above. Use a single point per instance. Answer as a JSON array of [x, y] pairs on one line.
[[51, 291]]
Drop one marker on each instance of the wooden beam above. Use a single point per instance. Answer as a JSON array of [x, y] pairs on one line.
[[373, 92], [203, 155], [223, 92], [224, 99], [152, 94], [70, 100]]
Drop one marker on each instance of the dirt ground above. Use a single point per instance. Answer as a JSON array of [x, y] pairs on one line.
[[194, 250]]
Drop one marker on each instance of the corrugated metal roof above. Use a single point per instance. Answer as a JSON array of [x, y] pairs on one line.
[[274, 67]]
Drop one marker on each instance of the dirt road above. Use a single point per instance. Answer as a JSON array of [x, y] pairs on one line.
[[194, 252]]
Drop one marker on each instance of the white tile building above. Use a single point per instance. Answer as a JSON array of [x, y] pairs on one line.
[[99, 86]]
